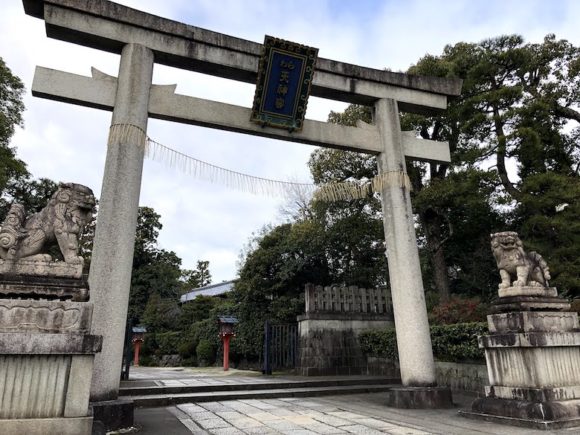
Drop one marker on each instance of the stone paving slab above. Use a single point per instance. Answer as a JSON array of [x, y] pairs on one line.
[[160, 400], [355, 414]]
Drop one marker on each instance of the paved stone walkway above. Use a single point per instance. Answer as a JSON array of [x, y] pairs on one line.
[[281, 416], [358, 414]]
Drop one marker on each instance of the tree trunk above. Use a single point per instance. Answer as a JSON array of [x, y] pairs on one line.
[[432, 224], [440, 276], [501, 155]]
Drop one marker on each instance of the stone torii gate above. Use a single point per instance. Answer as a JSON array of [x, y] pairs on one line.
[[143, 39]]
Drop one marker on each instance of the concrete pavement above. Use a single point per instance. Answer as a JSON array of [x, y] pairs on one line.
[[357, 413]]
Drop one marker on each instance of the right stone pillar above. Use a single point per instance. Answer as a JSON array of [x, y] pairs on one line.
[[532, 350], [412, 326]]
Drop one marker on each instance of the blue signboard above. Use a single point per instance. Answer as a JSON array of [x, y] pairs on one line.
[[284, 80]]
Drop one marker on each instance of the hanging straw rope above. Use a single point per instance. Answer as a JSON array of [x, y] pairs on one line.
[[215, 174], [391, 179], [344, 191], [127, 133]]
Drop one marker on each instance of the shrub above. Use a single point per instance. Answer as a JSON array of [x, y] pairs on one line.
[[186, 348], [146, 361], [149, 345], [168, 343], [454, 343], [206, 352], [381, 343], [458, 310], [458, 342]]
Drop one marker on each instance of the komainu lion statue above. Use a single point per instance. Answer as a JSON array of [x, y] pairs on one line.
[[528, 269], [61, 221]]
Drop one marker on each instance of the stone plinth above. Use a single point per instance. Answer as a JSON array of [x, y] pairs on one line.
[[514, 299], [43, 287], [419, 398], [46, 365], [23, 266], [533, 363], [45, 316]]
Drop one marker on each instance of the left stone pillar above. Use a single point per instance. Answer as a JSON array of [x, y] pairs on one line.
[[112, 258]]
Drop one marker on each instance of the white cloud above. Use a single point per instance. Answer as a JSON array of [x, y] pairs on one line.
[[205, 221]]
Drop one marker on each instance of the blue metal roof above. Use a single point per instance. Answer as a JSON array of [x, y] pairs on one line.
[[228, 319], [209, 290]]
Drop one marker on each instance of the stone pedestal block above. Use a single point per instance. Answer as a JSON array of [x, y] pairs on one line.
[[516, 299], [47, 426], [112, 415], [532, 321], [533, 363], [45, 316], [419, 398], [46, 365], [46, 287], [328, 342]]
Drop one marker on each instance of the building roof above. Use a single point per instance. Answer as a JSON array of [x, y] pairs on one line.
[[208, 290], [228, 319]]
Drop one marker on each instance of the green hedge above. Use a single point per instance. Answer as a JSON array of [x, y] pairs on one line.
[[454, 343], [206, 352], [168, 343]]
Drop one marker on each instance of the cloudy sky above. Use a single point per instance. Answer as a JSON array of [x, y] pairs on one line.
[[202, 221]]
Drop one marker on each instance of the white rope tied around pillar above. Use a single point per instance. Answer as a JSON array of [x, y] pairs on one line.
[[343, 191], [349, 190], [127, 133], [391, 179]]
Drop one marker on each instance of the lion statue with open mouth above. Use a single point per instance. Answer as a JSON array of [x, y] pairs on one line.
[[528, 269]]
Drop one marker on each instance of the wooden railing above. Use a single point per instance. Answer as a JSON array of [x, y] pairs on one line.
[[351, 299]]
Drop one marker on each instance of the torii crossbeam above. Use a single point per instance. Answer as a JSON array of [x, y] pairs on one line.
[[143, 39]]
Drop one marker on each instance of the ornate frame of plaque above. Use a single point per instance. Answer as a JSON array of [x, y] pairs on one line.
[[284, 79]]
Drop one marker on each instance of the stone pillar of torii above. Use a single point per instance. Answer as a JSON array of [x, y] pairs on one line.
[[142, 40]]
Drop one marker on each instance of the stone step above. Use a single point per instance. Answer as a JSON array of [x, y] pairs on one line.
[[158, 400], [274, 384]]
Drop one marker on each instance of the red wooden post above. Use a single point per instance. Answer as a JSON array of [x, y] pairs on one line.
[[136, 355], [226, 324], [226, 340], [138, 335]]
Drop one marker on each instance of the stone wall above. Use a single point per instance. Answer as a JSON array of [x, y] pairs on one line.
[[464, 377], [468, 377], [328, 331]]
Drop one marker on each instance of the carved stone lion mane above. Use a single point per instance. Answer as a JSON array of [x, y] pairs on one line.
[[528, 269], [61, 221]]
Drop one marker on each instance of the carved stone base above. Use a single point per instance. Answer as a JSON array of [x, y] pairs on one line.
[[532, 321], [44, 426], [533, 360], [112, 415], [533, 363], [41, 268], [549, 292], [529, 303], [419, 398], [537, 415], [549, 394], [43, 287], [45, 316]]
